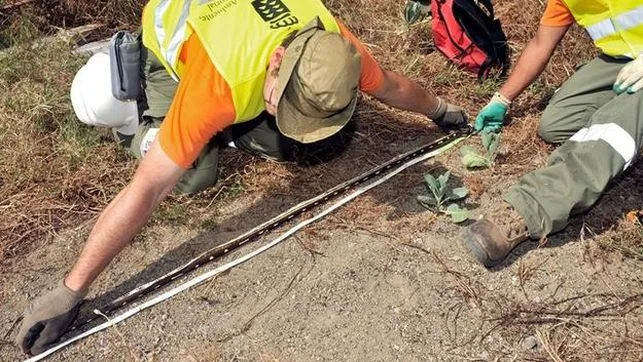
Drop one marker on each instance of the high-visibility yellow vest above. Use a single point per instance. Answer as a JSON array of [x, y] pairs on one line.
[[238, 35], [616, 26]]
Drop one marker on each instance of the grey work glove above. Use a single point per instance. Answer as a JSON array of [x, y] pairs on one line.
[[448, 116], [47, 318]]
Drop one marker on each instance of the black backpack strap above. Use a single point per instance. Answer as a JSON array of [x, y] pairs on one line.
[[485, 31]]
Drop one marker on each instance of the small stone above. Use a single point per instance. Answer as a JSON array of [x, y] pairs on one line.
[[529, 343]]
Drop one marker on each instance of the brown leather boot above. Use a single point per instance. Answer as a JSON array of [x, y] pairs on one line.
[[492, 238]]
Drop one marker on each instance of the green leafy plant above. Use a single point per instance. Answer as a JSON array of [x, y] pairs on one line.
[[442, 194], [472, 159]]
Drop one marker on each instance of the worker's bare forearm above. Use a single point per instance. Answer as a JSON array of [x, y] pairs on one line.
[[124, 217], [533, 60], [400, 92], [116, 226]]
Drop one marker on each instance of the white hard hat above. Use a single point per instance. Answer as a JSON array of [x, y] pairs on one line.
[[93, 102]]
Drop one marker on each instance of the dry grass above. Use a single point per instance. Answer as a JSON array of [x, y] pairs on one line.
[[56, 174], [583, 327], [70, 13], [580, 327], [55, 165], [626, 238], [35, 17]]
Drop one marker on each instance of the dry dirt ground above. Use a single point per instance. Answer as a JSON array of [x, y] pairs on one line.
[[353, 294], [381, 279]]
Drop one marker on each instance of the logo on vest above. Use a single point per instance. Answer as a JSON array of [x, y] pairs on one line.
[[275, 12], [216, 8]]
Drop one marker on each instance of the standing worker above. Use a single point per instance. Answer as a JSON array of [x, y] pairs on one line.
[[597, 115], [285, 70]]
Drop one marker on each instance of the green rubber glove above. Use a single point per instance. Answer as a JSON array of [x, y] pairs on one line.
[[630, 78], [492, 117], [47, 318]]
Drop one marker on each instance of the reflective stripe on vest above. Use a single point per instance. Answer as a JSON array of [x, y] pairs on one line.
[[178, 37], [616, 27], [238, 35], [165, 30]]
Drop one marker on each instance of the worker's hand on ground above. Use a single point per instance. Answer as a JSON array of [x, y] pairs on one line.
[[416, 10], [630, 78], [492, 117], [448, 116], [47, 318]]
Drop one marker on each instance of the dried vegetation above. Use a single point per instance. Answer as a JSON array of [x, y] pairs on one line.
[[57, 174]]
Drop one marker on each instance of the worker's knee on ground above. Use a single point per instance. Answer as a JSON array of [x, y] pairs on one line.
[[548, 134], [195, 181], [278, 154], [274, 148], [191, 188], [547, 129]]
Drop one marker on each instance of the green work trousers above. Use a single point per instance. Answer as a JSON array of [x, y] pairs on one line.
[[259, 136], [601, 134]]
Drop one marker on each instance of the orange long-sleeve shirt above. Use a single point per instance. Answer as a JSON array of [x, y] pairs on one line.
[[557, 14], [203, 106]]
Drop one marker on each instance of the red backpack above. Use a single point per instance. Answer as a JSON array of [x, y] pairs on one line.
[[467, 32]]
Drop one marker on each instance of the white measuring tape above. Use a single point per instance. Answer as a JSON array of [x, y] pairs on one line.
[[205, 276]]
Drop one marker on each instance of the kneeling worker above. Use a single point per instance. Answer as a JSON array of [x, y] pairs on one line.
[[286, 68], [597, 115]]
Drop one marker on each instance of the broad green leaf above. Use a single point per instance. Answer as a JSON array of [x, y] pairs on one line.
[[443, 180], [458, 193], [458, 214], [487, 140], [467, 150], [493, 147], [433, 184], [427, 201], [472, 160]]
